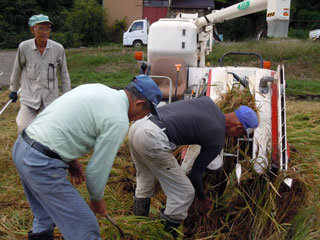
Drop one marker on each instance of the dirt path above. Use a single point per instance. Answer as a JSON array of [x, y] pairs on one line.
[[6, 65]]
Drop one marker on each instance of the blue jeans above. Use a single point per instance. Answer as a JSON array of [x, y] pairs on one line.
[[53, 199]]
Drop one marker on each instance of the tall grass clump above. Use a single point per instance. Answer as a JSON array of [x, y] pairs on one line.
[[258, 206]]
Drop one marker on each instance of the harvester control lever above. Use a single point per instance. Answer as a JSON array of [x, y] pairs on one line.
[[243, 81], [263, 85], [178, 67], [143, 68]]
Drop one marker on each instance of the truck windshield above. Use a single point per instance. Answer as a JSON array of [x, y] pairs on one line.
[[136, 26]]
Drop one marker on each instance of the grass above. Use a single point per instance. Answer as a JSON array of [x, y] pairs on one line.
[[111, 65], [261, 207], [300, 88], [115, 66], [304, 125], [299, 57]]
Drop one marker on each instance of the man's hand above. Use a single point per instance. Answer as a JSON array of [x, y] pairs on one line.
[[13, 96], [77, 175], [99, 207]]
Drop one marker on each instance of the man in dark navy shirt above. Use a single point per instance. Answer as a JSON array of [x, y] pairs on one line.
[[152, 141]]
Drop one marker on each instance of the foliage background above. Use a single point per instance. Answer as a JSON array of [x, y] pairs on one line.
[[304, 16], [83, 22], [76, 22]]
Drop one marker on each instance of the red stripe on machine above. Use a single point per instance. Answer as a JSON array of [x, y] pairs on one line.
[[209, 84], [274, 123]]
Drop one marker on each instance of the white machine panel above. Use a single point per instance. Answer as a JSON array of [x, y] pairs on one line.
[[196, 74], [173, 38]]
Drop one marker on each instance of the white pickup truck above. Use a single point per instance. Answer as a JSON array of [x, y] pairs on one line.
[[137, 33]]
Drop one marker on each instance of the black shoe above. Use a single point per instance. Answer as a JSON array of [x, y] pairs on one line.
[[46, 235], [169, 224]]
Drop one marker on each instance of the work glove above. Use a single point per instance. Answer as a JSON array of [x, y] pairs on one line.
[[13, 96], [206, 205]]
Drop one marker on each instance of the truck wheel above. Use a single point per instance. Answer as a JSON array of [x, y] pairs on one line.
[[137, 43]]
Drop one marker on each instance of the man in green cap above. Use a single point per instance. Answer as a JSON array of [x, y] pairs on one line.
[[35, 71]]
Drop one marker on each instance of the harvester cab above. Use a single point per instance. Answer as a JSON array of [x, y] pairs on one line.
[[176, 61]]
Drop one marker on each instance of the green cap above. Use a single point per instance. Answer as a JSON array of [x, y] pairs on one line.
[[35, 19]]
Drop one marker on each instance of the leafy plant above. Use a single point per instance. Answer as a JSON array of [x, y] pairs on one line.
[[115, 32], [87, 20]]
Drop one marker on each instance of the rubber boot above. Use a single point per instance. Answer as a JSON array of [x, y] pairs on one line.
[[46, 235], [141, 206], [170, 224]]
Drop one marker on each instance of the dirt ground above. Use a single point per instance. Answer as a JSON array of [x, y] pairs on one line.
[[6, 65]]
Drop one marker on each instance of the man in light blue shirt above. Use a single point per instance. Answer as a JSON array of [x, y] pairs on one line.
[[91, 116]]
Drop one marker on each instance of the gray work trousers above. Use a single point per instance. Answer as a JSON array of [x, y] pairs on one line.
[[152, 155], [25, 116]]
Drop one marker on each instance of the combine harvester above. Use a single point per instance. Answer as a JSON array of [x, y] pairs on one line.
[[176, 61]]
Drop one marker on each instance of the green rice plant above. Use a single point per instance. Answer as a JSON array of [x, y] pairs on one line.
[[260, 206], [136, 228]]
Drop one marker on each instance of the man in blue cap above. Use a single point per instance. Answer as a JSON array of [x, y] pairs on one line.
[[91, 116], [35, 71], [152, 141]]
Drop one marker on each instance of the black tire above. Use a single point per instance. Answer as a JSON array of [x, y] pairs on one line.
[[137, 44]]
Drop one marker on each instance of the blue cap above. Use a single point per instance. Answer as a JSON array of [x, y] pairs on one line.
[[35, 19], [247, 117], [148, 88]]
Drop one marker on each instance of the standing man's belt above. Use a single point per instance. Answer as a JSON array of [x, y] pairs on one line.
[[38, 146]]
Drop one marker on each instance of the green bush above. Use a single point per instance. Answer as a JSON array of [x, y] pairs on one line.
[[298, 33], [14, 18], [86, 22], [67, 39], [74, 39], [9, 37], [244, 28], [59, 37], [115, 32]]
